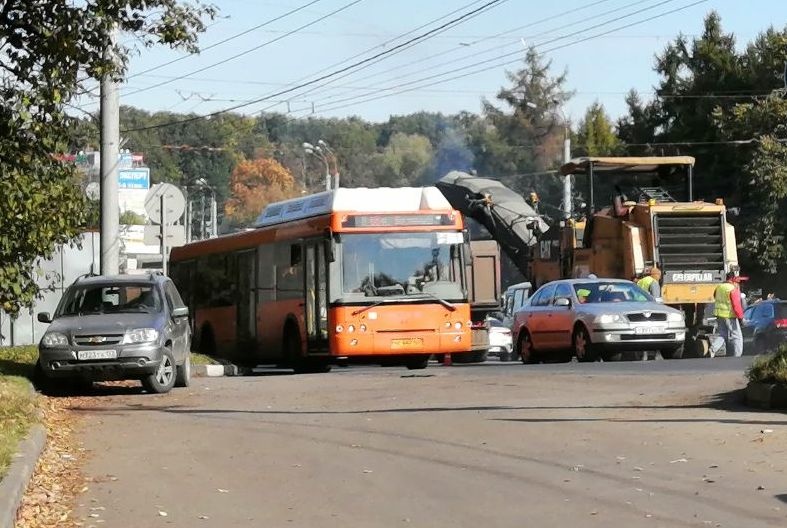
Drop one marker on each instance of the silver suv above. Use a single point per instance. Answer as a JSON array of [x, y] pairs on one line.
[[118, 327]]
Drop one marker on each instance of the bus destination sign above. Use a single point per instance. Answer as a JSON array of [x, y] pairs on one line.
[[397, 220]]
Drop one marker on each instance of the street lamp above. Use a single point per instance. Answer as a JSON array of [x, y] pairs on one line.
[[332, 154], [318, 153]]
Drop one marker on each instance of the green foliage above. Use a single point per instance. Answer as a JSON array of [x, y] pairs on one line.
[[18, 406], [528, 128], [131, 218], [405, 160], [771, 368], [48, 47], [596, 134]]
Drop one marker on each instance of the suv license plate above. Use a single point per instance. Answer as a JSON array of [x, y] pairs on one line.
[[649, 330], [97, 354]]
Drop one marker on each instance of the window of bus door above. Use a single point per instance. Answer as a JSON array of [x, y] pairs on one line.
[[316, 299], [247, 299], [418, 264]]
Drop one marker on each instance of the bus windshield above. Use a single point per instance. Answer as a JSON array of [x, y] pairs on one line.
[[402, 265]]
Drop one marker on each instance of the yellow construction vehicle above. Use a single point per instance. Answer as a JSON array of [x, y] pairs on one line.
[[689, 241]]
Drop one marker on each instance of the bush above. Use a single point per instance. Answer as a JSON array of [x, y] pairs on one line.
[[771, 368]]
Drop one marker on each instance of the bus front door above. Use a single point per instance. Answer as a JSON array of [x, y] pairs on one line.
[[246, 323], [316, 305]]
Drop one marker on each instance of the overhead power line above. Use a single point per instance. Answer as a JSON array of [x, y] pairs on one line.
[[445, 76], [250, 50], [307, 83], [487, 50], [516, 53], [228, 39], [413, 42]]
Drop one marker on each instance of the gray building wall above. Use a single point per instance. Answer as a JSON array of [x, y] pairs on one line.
[[67, 263]]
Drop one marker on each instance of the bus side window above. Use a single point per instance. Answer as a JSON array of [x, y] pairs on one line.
[[289, 271]]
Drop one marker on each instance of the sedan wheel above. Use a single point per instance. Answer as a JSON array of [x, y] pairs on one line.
[[526, 352], [583, 348]]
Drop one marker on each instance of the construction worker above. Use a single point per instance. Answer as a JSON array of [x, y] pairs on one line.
[[728, 310], [650, 282]]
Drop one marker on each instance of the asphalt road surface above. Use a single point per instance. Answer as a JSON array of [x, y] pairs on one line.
[[658, 443]]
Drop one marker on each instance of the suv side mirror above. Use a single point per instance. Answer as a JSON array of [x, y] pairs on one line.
[[563, 301], [181, 311], [44, 317]]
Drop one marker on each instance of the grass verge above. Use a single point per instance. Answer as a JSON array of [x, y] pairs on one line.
[[18, 404], [202, 359], [771, 368]]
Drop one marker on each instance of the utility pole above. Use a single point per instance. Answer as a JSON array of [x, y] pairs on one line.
[[110, 145], [214, 215], [202, 216], [567, 205]]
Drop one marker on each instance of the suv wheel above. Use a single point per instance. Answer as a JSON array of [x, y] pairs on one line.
[[163, 379], [183, 375]]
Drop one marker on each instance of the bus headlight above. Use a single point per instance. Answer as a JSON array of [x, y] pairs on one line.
[[448, 324], [458, 325], [339, 329], [350, 329], [362, 327]]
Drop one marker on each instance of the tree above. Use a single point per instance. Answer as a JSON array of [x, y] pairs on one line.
[[131, 218], [529, 131], [764, 177], [405, 160], [253, 185], [50, 49], [595, 134]]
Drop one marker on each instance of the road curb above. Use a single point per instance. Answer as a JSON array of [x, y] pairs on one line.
[[15, 482], [766, 395], [212, 371]]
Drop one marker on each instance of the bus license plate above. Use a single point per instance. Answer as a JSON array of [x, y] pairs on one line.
[[96, 354], [408, 343], [649, 330]]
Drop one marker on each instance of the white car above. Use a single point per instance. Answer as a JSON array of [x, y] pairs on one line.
[[501, 343]]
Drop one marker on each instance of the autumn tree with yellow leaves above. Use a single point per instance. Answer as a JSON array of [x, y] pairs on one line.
[[253, 185]]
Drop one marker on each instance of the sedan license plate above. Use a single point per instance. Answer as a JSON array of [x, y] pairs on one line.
[[407, 343], [649, 330], [96, 354]]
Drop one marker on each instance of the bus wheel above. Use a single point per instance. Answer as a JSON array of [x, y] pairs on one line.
[[417, 362]]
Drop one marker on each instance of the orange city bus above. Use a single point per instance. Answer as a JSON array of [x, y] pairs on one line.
[[368, 274]]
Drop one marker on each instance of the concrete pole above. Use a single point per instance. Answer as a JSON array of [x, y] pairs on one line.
[[214, 215], [567, 205], [164, 256], [202, 215], [327, 175], [110, 145], [187, 220]]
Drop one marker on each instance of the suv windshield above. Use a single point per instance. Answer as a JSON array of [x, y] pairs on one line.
[[608, 292], [110, 298]]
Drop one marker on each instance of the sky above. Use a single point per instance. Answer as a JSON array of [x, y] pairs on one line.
[[606, 47]]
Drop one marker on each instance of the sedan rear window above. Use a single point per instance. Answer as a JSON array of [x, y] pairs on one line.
[[609, 292]]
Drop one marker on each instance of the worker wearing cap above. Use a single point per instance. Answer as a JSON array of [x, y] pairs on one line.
[[728, 310], [650, 282]]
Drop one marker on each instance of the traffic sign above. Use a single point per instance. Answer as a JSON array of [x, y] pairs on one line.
[[174, 201]]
